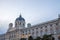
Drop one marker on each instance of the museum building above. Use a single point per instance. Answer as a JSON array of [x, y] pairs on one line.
[[20, 31]]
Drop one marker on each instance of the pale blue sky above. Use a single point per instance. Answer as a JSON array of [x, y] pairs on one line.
[[34, 11]]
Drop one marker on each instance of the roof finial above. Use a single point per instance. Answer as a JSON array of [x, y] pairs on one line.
[[20, 15]]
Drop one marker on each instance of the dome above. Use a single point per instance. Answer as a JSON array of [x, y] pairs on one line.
[[20, 18]]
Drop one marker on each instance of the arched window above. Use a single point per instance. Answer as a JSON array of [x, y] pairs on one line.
[[51, 31], [56, 28], [46, 31], [45, 26], [50, 25], [15, 23], [20, 23], [23, 24], [41, 32], [56, 24]]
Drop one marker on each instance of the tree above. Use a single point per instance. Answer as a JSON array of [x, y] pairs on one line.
[[53, 38], [48, 37], [38, 38], [30, 38], [45, 37]]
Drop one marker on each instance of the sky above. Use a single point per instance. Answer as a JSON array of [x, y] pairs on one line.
[[33, 11]]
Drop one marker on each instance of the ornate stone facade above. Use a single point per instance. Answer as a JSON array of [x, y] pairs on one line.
[[20, 31]]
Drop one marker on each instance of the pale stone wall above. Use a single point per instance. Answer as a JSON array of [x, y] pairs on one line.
[[50, 27]]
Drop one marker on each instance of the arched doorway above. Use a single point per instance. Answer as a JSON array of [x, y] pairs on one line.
[[59, 38], [23, 39]]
